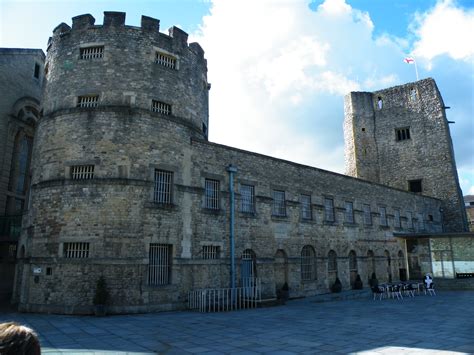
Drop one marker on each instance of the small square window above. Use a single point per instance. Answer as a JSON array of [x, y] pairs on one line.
[[88, 101], [402, 134], [415, 186], [82, 172], [165, 60], [76, 250], [210, 252]]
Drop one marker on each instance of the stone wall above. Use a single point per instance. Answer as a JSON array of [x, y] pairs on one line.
[[374, 153]]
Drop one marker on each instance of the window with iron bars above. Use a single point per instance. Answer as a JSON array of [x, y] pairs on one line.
[[279, 207], [161, 107], [402, 134], [211, 194], [96, 52], [163, 187], [383, 216], [397, 222], [349, 212], [82, 172], [306, 207], [367, 215], [88, 101], [329, 210], [308, 263], [159, 264], [165, 60], [210, 252], [247, 197], [77, 250]]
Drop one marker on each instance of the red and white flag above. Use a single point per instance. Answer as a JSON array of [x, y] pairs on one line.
[[409, 60]]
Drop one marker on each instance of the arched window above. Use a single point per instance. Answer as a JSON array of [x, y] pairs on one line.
[[308, 263], [332, 261]]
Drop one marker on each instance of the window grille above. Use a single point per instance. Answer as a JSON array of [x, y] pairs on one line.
[[247, 195], [77, 250], [165, 60], [349, 212], [212, 194], [161, 107], [329, 210], [367, 215], [279, 208], [402, 134], [92, 52], [163, 186], [82, 172], [210, 252], [159, 264], [88, 101], [383, 216], [306, 207], [397, 221], [308, 263]]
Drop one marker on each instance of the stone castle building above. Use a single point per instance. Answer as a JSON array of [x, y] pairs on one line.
[[126, 185]]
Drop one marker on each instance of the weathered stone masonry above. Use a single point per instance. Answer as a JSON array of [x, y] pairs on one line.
[[114, 213]]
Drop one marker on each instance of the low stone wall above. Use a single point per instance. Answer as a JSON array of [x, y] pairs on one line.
[[454, 284]]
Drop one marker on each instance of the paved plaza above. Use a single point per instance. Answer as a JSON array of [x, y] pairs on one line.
[[442, 324]]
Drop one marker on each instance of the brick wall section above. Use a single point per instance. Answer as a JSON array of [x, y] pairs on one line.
[[373, 153]]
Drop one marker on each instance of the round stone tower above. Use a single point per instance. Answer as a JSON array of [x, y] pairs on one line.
[[120, 106]]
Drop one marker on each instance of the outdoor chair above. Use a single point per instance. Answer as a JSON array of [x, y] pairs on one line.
[[430, 289], [377, 291], [408, 290], [395, 291]]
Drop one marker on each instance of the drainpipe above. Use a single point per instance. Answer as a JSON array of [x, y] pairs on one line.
[[231, 170]]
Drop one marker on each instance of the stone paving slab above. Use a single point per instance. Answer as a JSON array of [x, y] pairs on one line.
[[442, 324]]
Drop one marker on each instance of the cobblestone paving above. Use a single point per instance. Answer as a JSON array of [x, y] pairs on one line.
[[442, 324]]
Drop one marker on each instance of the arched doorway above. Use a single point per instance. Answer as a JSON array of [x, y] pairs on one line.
[[370, 265], [388, 261], [280, 268], [352, 267], [332, 267], [402, 270], [247, 265]]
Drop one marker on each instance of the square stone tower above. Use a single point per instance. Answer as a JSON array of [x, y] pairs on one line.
[[400, 137]]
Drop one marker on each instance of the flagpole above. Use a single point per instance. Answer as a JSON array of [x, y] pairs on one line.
[[416, 70]]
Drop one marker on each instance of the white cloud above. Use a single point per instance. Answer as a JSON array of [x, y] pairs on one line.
[[446, 29]]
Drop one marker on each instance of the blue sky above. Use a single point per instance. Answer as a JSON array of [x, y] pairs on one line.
[[280, 68]]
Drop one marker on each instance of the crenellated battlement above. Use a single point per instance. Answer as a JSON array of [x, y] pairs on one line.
[[116, 21]]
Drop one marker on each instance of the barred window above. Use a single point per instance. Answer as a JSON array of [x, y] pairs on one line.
[[92, 52], [76, 250], [211, 194], [367, 215], [402, 134], [383, 216], [247, 195], [329, 210], [306, 207], [397, 222], [165, 60], [210, 252], [159, 264], [349, 212], [88, 101], [161, 107], [82, 172], [308, 263], [279, 207], [163, 187]]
